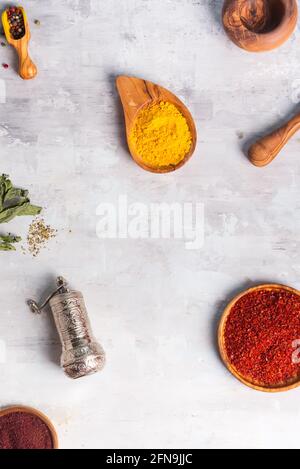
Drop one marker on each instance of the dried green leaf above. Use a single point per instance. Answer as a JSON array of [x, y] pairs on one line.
[[14, 194], [29, 210], [7, 247], [7, 241], [14, 202], [5, 186], [10, 213], [10, 238]]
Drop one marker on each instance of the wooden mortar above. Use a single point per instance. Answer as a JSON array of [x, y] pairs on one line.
[[259, 25]]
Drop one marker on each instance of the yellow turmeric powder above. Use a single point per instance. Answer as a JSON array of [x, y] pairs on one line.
[[161, 135]]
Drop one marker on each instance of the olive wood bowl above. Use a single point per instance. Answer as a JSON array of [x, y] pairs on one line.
[[259, 25], [37, 413], [137, 94], [222, 347]]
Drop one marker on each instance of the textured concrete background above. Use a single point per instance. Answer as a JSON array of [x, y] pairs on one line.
[[153, 304]]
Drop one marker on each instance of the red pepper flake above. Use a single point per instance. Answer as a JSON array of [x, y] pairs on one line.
[[259, 335], [5, 65]]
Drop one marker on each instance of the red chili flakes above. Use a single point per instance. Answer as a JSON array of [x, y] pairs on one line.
[[5, 65], [259, 335]]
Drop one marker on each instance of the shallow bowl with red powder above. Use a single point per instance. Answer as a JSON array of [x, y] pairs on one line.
[[259, 337], [26, 428]]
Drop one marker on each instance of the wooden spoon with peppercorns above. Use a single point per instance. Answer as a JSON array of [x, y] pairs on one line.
[[17, 33]]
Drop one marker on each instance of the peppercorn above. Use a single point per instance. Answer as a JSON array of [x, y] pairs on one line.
[[16, 22], [259, 334]]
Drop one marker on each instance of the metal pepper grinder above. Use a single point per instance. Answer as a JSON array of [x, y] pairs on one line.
[[81, 353]]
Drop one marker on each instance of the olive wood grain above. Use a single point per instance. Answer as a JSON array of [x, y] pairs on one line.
[[222, 346], [37, 413], [259, 25], [136, 94], [262, 152], [27, 69]]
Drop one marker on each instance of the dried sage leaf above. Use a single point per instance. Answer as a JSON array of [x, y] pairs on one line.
[[7, 241], [7, 247], [14, 202], [29, 210], [10, 238]]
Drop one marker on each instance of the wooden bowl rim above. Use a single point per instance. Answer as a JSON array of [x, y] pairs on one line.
[[221, 341], [37, 413], [173, 99], [280, 29]]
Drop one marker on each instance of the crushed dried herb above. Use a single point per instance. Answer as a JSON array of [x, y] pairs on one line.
[[13, 202], [38, 235]]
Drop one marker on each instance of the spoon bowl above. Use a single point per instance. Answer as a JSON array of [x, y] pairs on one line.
[[137, 94]]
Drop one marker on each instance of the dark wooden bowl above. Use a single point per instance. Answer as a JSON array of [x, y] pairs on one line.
[[259, 25]]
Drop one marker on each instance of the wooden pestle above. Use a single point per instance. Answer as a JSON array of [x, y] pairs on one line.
[[262, 152]]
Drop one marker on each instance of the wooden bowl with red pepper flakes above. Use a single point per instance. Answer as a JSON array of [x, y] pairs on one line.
[[259, 338]]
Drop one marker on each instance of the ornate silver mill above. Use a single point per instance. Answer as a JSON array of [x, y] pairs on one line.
[[81, 355]]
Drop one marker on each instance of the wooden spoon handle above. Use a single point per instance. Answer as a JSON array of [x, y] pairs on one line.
[[27, 69], [266, 149]]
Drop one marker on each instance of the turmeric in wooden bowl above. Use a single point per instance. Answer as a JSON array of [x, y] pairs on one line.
[[161, 132], [161, 135]]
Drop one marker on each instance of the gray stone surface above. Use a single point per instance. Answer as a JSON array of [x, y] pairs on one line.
[[154, 305]]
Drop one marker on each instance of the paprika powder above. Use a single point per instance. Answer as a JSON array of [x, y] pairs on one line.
[[259, 336], [21, 429]]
